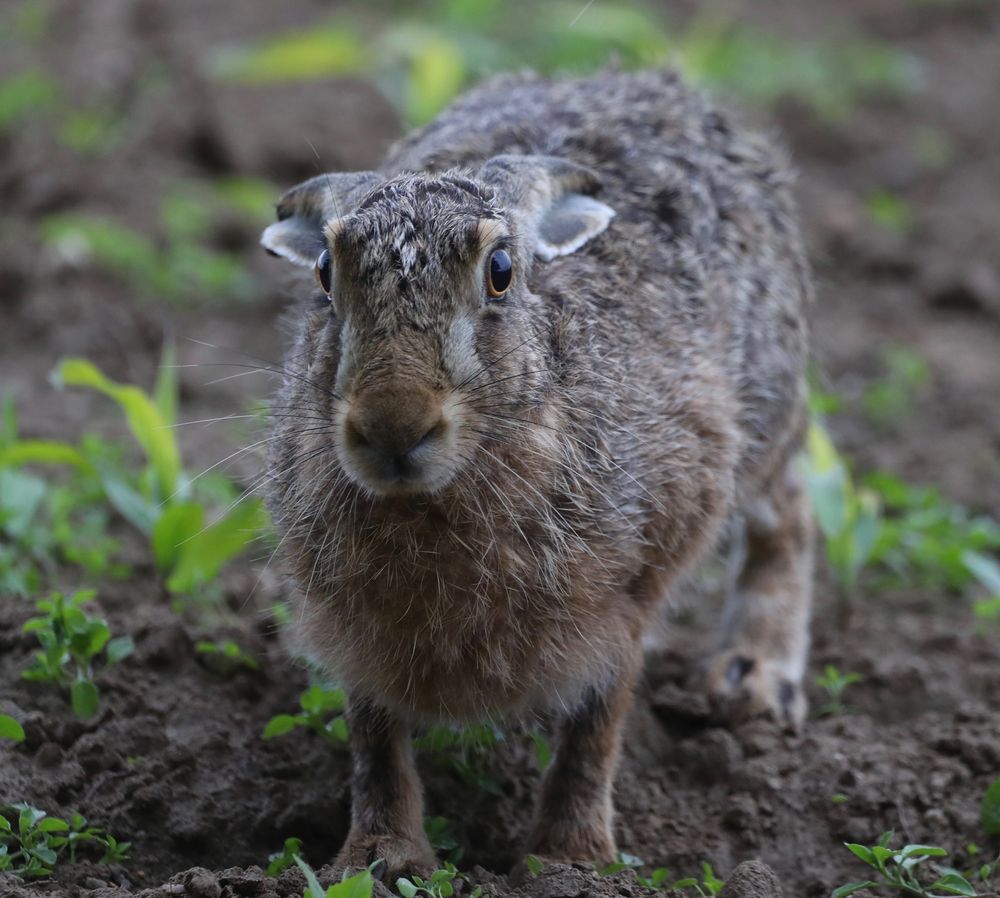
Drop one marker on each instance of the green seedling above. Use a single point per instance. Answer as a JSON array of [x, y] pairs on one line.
[[422, 62], [317, 705], [45, 523], [180, 266], [889, 211], [228, 653], [834, 684], [465, 751], [33, 845], [163, 501], [889, 400], [441, 834], [282, 860], [72, 642], [989, 813], [848, 516], [662, 878], [924, 539], [534, 864], [900, 869], [440, 884], [358, 886], [26, 96], [11, 729]]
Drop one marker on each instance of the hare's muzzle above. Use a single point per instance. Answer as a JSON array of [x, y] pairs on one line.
[[391, 436]]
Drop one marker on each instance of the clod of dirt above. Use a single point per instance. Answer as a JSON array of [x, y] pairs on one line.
[[201, 883], [752, 879], [577, 881]]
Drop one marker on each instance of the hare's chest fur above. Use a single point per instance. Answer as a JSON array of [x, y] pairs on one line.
[[463, 619]]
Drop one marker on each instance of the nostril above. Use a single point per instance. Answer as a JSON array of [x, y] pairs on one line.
[[354, 434], [432, 434]]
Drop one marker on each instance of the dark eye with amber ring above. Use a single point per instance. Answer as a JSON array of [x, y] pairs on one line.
[[324, 271], [499, 273]]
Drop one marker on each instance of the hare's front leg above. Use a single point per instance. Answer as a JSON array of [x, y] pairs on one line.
[[386, 800], [575, 812], [764, 639]]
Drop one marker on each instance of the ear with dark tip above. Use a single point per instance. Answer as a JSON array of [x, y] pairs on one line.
[[552, 198], [306, 208]]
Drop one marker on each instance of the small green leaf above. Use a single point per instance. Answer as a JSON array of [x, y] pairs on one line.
[[202, 556], [406, 888], [179, 523], [534, 864], [144, 419], [11, 729], [279, 725], [851, 888], [955, 884], [84, 698], [862, 852], [989, 813], [53, 825], [314, 889], [120, 648], [357, 886]]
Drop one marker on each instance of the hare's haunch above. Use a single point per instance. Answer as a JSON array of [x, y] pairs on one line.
[[558, 340]]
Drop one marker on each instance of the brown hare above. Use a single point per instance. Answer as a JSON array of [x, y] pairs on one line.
[[559, 341]]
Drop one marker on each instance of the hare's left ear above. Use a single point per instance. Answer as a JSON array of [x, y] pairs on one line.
[[552, 199], [305, 209]]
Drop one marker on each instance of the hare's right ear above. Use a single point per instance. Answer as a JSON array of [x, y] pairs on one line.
[[305, 209]]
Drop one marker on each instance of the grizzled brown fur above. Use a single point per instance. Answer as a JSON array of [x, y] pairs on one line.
[[483, 502]]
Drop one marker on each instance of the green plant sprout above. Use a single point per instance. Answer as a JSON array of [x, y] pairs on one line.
[[924, 539], [440, 833], [465, 751], [163, 504], [318, 703], [440, 884], [181, 267], [71, 642], [661, 877], [889, 400], [899, 870], [989, 812], [42, 523], [834, 684], [11, 729], [34, 844], [282, 860], [229, 655], [422, 66], [358, 886], [848, 516]]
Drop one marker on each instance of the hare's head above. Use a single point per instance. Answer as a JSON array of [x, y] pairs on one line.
[[429, 338]]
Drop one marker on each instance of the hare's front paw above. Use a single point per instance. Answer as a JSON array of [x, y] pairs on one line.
[[742, 684], [398, 856]]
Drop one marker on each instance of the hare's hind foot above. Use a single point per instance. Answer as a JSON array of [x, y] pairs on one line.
[[760, 661]]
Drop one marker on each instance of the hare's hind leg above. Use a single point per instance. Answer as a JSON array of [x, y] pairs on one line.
[[575, 811], [763, 645]]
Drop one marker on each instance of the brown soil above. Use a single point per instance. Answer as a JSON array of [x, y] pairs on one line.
[[175, 763]]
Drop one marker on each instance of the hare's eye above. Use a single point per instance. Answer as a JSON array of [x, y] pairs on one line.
[[499, 274], [324, 271]]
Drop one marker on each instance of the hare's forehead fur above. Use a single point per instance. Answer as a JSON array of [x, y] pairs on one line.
[[413, 232]]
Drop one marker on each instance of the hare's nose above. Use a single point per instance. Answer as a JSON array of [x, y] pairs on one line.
[[389, 424]]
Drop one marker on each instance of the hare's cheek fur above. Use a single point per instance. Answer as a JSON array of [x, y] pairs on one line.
[[493, 501]]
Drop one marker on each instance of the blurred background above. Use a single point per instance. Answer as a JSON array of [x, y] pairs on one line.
[[143, 144]]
